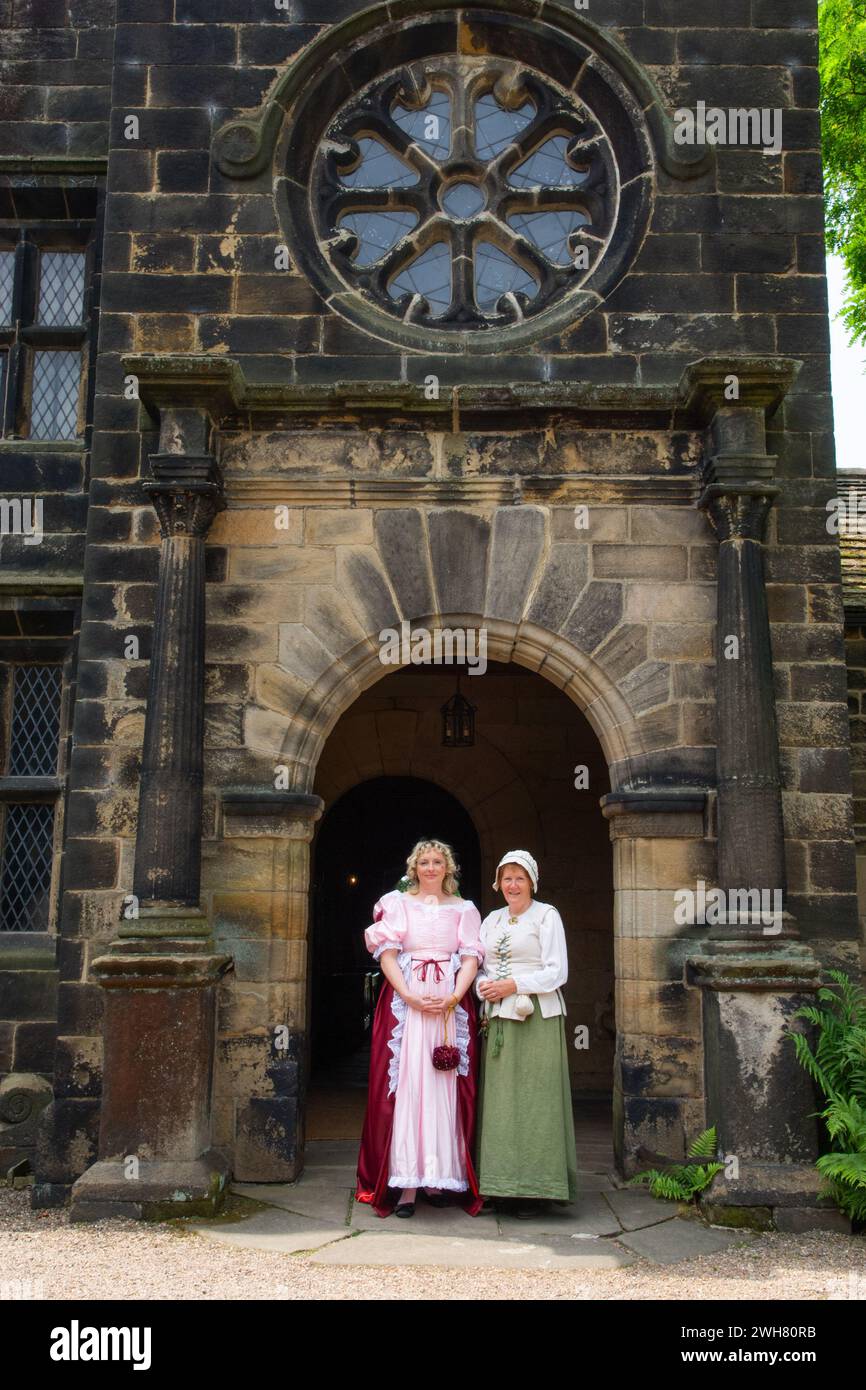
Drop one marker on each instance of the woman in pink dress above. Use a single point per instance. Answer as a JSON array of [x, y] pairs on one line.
[[420, 1122]]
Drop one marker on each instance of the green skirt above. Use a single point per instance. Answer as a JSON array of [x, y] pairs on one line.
[[526, 1125]]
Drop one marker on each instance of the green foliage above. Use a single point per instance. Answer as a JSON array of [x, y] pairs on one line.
[[681, 1182], [838, 1066], [842, 65]]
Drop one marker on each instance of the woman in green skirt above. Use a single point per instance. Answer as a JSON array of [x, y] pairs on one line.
[[526, 1127]]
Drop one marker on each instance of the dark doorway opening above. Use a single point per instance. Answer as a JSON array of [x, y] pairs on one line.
[[360, 853]]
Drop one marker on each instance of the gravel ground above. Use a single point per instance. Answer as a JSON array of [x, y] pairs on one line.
[[121, 1259]]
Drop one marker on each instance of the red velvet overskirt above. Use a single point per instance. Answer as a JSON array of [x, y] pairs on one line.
[[374, 1156]]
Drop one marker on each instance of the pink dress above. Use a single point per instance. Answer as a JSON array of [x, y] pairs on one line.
[[431, 939]]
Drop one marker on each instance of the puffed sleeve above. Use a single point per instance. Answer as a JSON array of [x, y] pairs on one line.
[[552, 972], [469, 932], [388, 930]]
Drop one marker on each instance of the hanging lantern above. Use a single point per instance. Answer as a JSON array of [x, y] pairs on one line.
[[458, 721]]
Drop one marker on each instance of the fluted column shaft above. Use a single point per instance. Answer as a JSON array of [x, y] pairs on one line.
[[751, 839], [186, 494]]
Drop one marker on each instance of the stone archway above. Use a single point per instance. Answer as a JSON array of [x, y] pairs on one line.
[[659, 843]]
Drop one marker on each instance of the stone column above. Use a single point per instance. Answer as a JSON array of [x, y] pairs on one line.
[[161, 972], [738, 494], [186, 493], [753, 974]]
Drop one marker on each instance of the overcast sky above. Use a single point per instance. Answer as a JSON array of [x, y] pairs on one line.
[[849, 378]]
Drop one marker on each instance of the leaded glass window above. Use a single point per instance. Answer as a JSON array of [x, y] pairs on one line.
[[30, 794], [28, 848], [7, 280], [43, 329], [61, 287], [54, 395], [35, 721], [464, 192]]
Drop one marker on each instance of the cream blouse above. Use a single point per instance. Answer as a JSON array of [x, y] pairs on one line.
[[532, 952]]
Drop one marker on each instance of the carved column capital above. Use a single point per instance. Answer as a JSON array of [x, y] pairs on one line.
[[186, 492], [739, 511]]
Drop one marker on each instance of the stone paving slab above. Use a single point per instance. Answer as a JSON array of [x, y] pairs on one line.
[[325, 1203], [555, 1252], [274, 1230], [635, 1210], [671, 1241], [438, 1221], [588, 1215]]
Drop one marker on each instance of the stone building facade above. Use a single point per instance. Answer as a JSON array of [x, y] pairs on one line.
[[398, 318]]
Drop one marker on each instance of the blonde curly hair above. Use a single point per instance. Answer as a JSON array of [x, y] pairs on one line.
[[449, 883]]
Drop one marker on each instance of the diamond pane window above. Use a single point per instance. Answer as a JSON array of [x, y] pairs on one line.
[[35, 734], [61, 287], [453, 191], [7, 276], [27, 854], [54, 400]]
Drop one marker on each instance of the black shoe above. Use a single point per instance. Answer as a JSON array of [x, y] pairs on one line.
[[488, 1206], [530, 1208], [441, 1199], [405, 1209]]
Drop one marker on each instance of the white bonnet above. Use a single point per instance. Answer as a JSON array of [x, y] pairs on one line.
[[524, 859]]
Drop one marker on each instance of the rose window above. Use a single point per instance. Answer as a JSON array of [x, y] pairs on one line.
[[464, 193]]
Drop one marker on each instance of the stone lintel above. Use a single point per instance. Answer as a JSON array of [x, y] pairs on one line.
[[263, 811], [655, 813], [163, 1188]]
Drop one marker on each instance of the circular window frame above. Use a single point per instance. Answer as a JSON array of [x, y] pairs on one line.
[[566, 48], [588, 189]]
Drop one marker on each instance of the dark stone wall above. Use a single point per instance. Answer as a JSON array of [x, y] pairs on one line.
[[55, 77]]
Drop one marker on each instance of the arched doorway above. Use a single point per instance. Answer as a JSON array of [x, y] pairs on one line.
[[359, 854]]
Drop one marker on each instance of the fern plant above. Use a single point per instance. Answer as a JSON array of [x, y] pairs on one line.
[[681, 1182], [838, 1066]]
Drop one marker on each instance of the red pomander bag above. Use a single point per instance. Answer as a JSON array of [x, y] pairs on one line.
[[445, 1057]]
